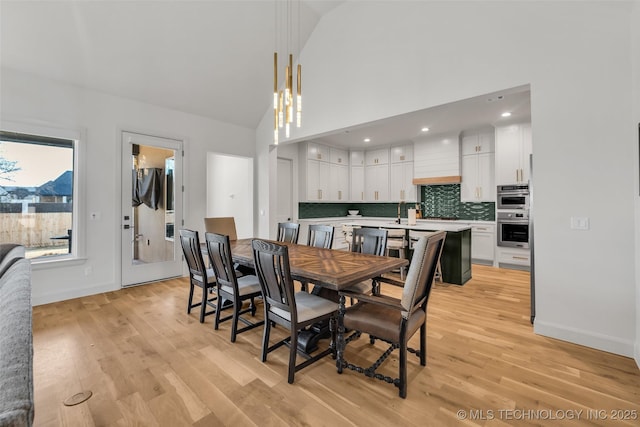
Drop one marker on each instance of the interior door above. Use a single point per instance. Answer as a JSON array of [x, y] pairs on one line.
[[285, 190], [151, 212]]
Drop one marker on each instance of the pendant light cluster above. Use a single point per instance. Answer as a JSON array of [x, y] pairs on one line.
[[283, 104]]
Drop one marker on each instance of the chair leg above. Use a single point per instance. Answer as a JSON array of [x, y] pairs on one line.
[[190, 303], [265, 337], [340, 341], [403, 370], [203, 306], [423, 344], [237, 306], [216, 322], [293, 351]]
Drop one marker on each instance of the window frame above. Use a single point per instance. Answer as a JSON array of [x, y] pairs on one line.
[[79, 222]]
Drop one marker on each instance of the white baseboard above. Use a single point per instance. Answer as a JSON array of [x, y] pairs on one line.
[[587, 338], [637, 354], [62, 295]]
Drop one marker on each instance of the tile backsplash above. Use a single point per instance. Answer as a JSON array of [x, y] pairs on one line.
[[436, 201]]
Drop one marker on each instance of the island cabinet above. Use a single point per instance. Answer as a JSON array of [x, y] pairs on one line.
[[356, 165], [376, 175], [401, 175], [513, 147], [478, 171], [456, 257]]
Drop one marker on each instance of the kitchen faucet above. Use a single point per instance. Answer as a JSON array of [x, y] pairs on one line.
[[398, 220]]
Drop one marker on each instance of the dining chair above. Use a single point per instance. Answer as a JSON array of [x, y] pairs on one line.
[[199, 274], [320, 236], [414, 236], [283, 306], [225, 225], [230, 287], [390, 319], [372, 241], [288, 232]]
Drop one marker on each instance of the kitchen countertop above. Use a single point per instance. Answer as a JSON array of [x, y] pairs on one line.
[[426, 225], [369, 220]]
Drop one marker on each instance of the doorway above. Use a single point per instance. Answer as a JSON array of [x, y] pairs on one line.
[[151, 208], [230, 190]]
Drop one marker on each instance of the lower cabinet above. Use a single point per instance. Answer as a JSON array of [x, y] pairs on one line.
[[514, 258], [483, 243]]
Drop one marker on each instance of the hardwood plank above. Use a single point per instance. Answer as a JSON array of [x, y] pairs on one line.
[[149, 363]]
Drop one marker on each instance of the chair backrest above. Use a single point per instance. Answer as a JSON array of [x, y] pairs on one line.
[[225, 225], [273, 271], [320, 236], [193, 253], [372, 241], [219, 250], [422, 271], [288, 232]]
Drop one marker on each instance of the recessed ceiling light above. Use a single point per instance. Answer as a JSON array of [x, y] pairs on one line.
[[506, 114], [425, 129], [367, 140]]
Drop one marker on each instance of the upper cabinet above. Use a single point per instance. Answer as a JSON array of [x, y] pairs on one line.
[[325, 173], [357, 176], [437, 160], [376, 175], [513, 147], [317, 152], [401, 175], [338, 156], [478, 161]]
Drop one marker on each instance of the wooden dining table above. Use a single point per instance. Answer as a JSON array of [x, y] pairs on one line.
[[330, 268]]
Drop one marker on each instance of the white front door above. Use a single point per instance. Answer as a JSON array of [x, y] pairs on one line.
[[151, 212]]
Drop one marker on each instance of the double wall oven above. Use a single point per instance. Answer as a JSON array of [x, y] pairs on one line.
[[513, 216]]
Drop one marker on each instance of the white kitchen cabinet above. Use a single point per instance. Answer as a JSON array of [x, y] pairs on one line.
[[338, 182], [338, 156], [513, 147], [376, 183], [317, 152], [357, 184], [478, 168], [317, 175], [356, 167], [377, 157], [401, 182], [437, 159], [514, 258], [402, 153], [483, 243]]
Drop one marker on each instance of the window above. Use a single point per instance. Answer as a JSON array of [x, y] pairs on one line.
[[38, 194]]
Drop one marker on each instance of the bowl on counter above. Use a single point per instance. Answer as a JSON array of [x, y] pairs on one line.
[[353, 213]]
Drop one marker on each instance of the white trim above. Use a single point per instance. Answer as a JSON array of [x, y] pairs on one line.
[[586, 338], [67, 294], [79, 225]]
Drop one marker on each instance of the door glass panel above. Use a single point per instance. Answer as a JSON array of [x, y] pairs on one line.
[[152, 210]]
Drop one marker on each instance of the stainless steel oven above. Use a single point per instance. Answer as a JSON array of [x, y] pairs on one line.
[[513, 229], [513, 196]]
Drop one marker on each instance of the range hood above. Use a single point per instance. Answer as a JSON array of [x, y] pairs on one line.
[[437, 160], [438, 180]]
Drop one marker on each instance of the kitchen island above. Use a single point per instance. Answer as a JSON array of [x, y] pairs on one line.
[[456, 254]]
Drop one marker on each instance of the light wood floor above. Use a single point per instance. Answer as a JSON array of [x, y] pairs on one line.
[[149, 363]]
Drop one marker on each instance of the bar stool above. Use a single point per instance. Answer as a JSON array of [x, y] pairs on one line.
[[397, 242], [414, 236]]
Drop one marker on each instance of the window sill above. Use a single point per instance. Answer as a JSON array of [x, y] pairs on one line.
[[59, 262]]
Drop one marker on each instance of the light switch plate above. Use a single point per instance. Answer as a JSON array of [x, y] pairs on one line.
[[579, 223]]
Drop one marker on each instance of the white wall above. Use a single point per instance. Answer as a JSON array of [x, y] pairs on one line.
[[230, 190], [28, 99], [635, 57], [370, 60]]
